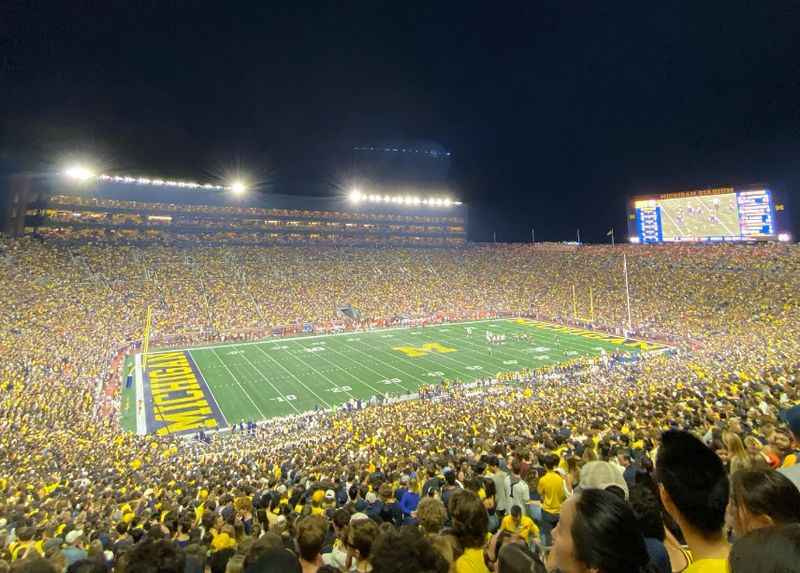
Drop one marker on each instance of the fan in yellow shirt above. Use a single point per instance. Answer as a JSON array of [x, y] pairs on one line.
[[520, 525]]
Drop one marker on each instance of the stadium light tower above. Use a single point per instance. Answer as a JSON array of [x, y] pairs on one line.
[[79, 172]]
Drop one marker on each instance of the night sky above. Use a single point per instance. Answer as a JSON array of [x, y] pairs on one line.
[[554, 112]]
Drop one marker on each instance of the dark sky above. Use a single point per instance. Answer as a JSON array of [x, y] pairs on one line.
[[554, 112]]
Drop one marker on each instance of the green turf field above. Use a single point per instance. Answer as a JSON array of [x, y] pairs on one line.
[[217, 386]]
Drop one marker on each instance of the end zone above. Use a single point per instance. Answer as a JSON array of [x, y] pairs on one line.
[[173, 398]]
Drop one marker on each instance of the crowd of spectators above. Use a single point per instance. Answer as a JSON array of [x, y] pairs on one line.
[[660, 464]]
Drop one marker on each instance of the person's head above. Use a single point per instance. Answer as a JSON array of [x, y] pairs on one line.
[[550, 461], [517, 558], [150, 556], [516, 513], [431, 515], [311, 532], [445, 545], [87, 566], [693, 484], [261, 545], [406, 549], [278, 559], [761, 498], [767, 550], [496, 544], [781, 441], [792, 419], [647, 509], [235, 564], [360, 535], [33, 565], [753, 446], [470, 520], [733, 445], [598, 532]]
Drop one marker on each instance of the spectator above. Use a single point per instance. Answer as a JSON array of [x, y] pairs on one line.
[[431, 515], [516, 558], [694, 491], [311, 532], [598, 531], [761, 498], [406, 549], [767, 550], [552, 489], [360, 536], [148, 556], [470, 526], [520, 525]]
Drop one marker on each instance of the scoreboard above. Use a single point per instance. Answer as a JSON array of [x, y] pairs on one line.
[[723, 214]]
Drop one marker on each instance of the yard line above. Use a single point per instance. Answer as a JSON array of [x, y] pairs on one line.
[[282, 395], [296, 357], [360, 364], [246, 393], [210, 391], [290, 373]]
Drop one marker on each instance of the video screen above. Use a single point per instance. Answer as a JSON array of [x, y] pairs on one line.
[[734, 216]]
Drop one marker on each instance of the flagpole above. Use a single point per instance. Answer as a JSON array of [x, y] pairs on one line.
[[579, 236], [627, 289], [612, 236], [532, 239]]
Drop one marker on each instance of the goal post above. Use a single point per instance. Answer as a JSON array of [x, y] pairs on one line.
[[146, 334]]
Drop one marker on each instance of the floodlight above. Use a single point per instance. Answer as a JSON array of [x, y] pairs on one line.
[[784, 237], [633, 239], [447, 202], [238, 187], [355, 195], [79, 172]]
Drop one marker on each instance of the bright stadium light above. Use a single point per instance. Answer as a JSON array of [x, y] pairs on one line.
[[784, 237], [355, 195], [238, 187], [633, 239], [79, 172]]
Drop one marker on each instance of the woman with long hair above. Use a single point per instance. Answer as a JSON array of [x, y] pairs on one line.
[[737, 454], [598, 531], [761, 498]]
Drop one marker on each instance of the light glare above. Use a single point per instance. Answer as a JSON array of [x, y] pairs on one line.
[[79, 173], [238, 187]]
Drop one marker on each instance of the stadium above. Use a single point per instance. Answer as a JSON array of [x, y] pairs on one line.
[[344, 346], [399, 288]]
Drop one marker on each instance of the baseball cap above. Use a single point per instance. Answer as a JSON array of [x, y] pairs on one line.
[[600, 475], [73, 536], [792, 419]]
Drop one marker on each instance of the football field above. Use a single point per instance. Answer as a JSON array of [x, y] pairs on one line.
[[214, 387]]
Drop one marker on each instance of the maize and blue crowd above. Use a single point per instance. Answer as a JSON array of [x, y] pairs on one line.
[[679, 461]]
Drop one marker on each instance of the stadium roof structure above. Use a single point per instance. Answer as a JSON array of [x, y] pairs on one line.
[[157, 190]]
